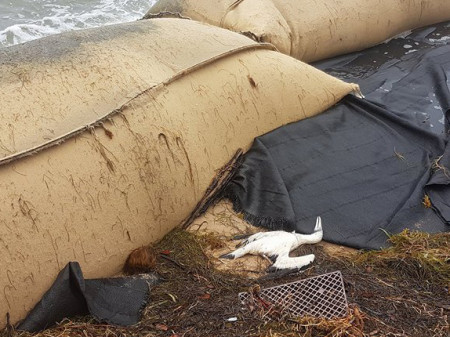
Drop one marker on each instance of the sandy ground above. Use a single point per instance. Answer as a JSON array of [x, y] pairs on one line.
[[220, 224]]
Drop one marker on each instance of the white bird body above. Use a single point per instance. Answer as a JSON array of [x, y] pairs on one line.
[[286, 262], [277, 245]]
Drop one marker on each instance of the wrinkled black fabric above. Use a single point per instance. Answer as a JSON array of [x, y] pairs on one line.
[[114, 300], [438, 187], [409, 76], [365, 164]]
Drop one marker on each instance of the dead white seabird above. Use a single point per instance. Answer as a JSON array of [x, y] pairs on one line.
[[277, 245]]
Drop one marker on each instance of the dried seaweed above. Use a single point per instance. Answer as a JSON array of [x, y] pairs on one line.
[[418, 255], [197, 300]]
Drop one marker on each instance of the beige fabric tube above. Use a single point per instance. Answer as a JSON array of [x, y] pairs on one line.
[[56, 85], [110, 137], [324, 28], [271, 25], [311, 30]]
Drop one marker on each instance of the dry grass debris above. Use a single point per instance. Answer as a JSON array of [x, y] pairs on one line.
[[198, 300], [418, 255]]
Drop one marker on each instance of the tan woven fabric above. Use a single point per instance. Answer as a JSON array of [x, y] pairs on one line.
[[110, 136], [311, 30]]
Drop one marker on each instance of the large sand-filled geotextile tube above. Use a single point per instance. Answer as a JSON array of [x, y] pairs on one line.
[[311, 30], [110, 137]]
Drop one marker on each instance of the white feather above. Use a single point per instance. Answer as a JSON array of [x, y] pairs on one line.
[[279, 244], [286, 262]]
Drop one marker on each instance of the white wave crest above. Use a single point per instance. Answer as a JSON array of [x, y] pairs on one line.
[[59, 16]]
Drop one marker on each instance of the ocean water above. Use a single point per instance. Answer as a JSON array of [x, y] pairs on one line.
[[25, 20]]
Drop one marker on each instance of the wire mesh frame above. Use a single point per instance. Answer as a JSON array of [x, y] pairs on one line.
[[319, 296]]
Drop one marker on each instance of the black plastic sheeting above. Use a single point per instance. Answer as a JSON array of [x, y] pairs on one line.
[[408, 75], [365, 164], [113, 300]]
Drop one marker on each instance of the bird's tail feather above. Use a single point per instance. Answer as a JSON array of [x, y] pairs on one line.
[[314, 237], [318, 227]]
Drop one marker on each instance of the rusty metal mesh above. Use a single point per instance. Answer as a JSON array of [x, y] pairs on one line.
[[319, 296]]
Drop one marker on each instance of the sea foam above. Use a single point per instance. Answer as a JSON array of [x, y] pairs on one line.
[[56, 16]]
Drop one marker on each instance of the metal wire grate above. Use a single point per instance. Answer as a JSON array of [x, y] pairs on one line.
[[319, 296]]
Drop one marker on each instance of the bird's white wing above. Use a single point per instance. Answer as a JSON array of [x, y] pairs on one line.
[[286, 262], [273, 245], [261, 235]]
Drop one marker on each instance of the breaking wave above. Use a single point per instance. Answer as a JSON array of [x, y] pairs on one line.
[[25, 20]]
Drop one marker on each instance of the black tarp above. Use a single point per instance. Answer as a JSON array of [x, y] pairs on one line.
[[407, 75], [363, 165], [112, 300]]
